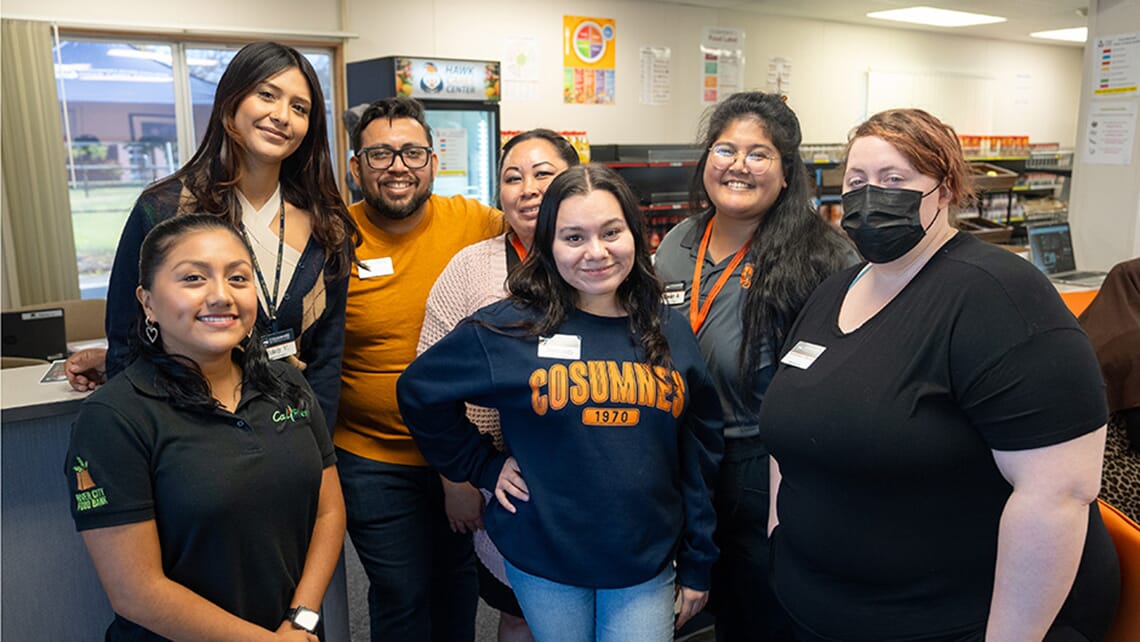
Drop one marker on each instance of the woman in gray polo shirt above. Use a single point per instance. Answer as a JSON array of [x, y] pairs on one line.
[[755, 249]]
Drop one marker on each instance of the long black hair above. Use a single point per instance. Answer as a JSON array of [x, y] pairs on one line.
[[178, 376], [307, 182], [537, 284], [793, 249]]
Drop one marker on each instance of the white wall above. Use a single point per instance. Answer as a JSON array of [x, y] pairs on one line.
[[282, 16], [1036, 86]]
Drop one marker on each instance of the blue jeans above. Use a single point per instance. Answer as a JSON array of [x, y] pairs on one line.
[[423, 584], [746, 609], [564, 613]]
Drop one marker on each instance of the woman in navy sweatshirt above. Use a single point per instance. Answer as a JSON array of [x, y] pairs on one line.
[[611, 424]]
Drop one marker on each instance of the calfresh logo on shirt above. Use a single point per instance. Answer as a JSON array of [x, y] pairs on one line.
[[89, 495], [289, 414]]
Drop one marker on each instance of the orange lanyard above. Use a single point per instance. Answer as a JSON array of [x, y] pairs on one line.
[[520, 249], [697, 312]]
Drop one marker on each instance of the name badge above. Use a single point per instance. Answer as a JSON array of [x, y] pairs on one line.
[[279, 345], [560, 346], [371, 268], [802, 355], [674, 293]]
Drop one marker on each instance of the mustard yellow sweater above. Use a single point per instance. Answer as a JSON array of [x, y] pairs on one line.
[[384, 315]]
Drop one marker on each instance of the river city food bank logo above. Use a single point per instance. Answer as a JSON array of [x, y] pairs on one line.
[[89, 495]]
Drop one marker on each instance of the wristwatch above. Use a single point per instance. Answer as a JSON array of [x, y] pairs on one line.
[[303, 618]]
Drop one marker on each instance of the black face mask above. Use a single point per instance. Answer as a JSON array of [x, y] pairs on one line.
[[884, 222]]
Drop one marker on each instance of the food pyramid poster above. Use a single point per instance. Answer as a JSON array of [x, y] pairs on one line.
[[588, 60]]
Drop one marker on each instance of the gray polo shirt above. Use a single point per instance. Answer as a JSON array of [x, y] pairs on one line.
[[720, 337]]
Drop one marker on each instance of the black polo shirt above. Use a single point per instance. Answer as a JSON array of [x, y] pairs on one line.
[[234, 495]]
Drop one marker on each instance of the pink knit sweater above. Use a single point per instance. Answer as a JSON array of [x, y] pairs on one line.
[[475, 277]]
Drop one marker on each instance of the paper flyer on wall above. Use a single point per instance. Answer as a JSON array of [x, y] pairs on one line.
[[722, 63], [520, 68], [655, 75], [1110, 135]]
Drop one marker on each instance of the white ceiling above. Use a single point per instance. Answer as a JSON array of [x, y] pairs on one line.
[[1022, 16]]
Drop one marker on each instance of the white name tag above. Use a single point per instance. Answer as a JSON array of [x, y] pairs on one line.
[[560, 346], [279, 345], [802, 355], [376, 267], [674, 294]]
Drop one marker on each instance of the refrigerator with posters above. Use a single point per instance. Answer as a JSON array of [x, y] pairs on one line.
[[461, 101]]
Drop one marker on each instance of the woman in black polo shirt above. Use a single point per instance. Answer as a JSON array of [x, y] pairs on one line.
[[203, 479]]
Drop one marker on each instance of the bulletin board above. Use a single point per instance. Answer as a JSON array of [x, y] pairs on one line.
[[964, 101]]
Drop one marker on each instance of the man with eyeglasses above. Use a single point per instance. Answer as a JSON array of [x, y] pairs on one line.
[[411, 528]]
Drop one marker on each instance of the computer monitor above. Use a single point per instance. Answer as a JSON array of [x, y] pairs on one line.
[[37, 334]]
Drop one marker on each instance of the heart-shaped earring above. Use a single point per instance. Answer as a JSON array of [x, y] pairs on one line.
[[151, 331]]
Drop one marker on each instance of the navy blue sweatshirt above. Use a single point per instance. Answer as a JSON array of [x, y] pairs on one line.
[[620, 463]]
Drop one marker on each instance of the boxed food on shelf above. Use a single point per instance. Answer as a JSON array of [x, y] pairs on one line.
[[576, 138], [993, 146], [815, 153], [988, 177], [986, 230], [1048, 207], [1050, 159]]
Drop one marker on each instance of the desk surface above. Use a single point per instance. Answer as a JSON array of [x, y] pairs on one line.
[[22, 396]]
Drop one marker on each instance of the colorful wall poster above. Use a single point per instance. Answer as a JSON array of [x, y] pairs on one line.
[[1118, 65], [722, 59], [588, 58]]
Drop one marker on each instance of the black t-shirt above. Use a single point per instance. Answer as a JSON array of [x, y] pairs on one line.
[[234, 495], [890, 499]]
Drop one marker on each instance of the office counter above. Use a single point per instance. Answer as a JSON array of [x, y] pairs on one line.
[[49, 586]]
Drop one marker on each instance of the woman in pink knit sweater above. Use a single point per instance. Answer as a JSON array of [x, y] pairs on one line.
[[477, 277]]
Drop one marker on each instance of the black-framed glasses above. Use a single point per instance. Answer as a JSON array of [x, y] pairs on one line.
[[757, 162], [381, 157]]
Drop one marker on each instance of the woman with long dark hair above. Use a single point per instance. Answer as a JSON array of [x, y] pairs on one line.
[[263, 167], [203, 476], [741, 269], [609, 420]]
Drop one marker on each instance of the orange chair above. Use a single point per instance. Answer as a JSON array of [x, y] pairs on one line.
[[1126, 536], [1078, 300]]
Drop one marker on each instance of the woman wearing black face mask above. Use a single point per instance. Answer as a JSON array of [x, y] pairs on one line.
[[936, 426]]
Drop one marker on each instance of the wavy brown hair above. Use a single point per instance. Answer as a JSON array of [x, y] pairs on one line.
[[212, 173]]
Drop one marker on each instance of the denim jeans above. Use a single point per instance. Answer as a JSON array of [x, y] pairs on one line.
[[563, 613], [423, 584], [746, 609]]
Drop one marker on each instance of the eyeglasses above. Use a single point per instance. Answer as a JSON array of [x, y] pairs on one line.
[[382, 157], [724, 156]]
